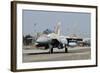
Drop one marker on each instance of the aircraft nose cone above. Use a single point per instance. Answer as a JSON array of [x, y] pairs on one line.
[[39, 40], [42, 40]]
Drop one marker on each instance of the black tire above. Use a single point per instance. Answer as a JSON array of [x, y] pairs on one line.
[[51, 49], [66, 49], [60, 46]]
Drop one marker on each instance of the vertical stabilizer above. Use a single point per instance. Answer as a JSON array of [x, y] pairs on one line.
[[57, 28]]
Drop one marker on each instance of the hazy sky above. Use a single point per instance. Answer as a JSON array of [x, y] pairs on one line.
[[71, 22]]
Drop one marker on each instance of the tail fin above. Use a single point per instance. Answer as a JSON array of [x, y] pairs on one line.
[[57, 28]]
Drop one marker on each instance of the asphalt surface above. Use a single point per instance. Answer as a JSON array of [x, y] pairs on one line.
[[38, 55]]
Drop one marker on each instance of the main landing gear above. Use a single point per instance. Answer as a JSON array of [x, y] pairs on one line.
[[56, 44]]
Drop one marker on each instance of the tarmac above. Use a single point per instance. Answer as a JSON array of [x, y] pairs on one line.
[[38, 55]]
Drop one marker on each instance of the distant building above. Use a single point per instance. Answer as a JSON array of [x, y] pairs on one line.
[[27, 40]]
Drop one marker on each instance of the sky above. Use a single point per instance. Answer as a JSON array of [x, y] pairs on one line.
[[71, 22]]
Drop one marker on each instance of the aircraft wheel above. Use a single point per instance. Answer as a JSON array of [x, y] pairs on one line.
[[51, 48], [66, 49], [60, 46]]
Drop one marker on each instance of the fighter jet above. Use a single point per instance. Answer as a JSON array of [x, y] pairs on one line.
[[54, 40]]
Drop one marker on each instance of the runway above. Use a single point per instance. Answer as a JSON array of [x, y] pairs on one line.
[[38, 55]]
